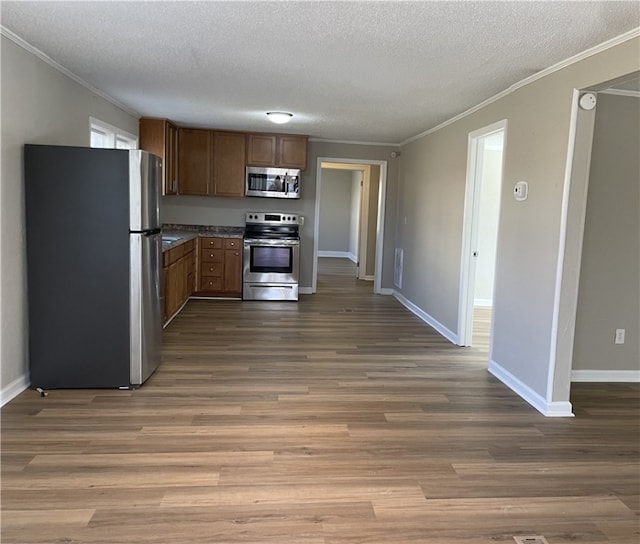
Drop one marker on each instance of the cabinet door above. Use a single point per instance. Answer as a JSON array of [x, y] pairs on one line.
[[228, 163], [292, 151], [232, 271], [194, 161], [159, 136], [261, 149], [171, 160]]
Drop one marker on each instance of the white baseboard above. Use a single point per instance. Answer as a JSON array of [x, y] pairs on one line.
[[444, 331], [621, 376], [387, 291], [14, 389], [369, 278], [339, 255], [305, 290], [483, 302], [548, 409]]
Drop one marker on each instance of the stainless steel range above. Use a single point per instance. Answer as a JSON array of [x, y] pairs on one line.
[[271, 256]]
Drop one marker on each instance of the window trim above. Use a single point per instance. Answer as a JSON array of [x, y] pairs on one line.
[[112, 132]]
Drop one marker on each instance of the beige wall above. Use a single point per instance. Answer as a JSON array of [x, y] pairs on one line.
[[430, 212], [39, 105], [334, 233], [609, 293]]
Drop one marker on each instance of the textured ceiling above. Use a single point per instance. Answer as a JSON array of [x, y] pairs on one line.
[[354, 71]]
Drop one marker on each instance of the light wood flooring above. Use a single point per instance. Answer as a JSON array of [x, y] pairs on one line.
[[341, 419]]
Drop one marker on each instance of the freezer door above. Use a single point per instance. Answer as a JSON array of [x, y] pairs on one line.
[[146, 305], [144, 190]]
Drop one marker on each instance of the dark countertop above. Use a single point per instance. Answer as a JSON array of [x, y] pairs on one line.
[[174, 235]]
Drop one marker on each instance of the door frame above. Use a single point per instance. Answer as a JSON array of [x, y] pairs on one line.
[[470, 231], [382, 195]]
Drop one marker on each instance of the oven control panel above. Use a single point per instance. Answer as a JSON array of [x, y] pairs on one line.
[[273, 218]]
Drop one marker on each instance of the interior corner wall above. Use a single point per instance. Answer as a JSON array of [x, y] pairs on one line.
[[431, 205], [335, 210], [609, 287], [41, 105]]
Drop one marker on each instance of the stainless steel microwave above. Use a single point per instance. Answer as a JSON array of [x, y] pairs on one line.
[[272, 182]]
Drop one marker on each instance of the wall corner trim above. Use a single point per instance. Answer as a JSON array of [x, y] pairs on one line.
[[548, 409], [444, 331], [12, 390]]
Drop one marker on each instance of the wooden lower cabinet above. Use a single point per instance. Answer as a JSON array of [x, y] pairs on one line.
[[220, 267], [179, 276]]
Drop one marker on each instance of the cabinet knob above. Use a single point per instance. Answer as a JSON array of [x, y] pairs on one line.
[[210, 242], [232, 243]]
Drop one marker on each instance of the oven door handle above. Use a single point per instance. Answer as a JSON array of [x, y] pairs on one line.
[[270, 242]]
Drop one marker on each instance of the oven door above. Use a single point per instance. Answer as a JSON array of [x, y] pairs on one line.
[[271, 261]]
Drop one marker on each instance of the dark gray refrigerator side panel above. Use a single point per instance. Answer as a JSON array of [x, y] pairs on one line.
[[77, 218]]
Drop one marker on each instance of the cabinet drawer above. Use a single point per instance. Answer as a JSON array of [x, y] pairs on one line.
[[211, 255], [232, 243], [211, 283], [211, 269], [211, 243], [173, 255]]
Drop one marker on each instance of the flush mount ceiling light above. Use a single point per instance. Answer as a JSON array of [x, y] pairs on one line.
[[279, 117]]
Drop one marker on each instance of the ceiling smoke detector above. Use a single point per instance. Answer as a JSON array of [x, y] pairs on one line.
[[279, 117]]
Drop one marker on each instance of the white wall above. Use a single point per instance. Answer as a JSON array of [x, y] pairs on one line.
[[334, 231], [431, 198], [39, 105], [488, 222], [356, 180]]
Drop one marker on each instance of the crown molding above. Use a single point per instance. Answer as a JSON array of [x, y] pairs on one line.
[[621, 92], [352, 142], [538, 75], [47, 59]]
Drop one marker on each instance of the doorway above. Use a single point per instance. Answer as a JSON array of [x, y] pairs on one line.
[[480, 235], [364, 187]]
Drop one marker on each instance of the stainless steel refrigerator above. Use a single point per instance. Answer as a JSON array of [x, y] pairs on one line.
[[94, 248]]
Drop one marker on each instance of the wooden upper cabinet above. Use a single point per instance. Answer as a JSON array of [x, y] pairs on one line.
[[160, 137], [292, 151], [261, 149], [194, 161], [228, 163], [279, 150]]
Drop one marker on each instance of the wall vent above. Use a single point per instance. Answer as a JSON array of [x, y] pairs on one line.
[[530, 540]]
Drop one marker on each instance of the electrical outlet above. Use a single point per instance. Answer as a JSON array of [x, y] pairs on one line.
[[619, 336]]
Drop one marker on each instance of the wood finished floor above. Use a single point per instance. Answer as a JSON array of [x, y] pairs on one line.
[[342, 419]]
